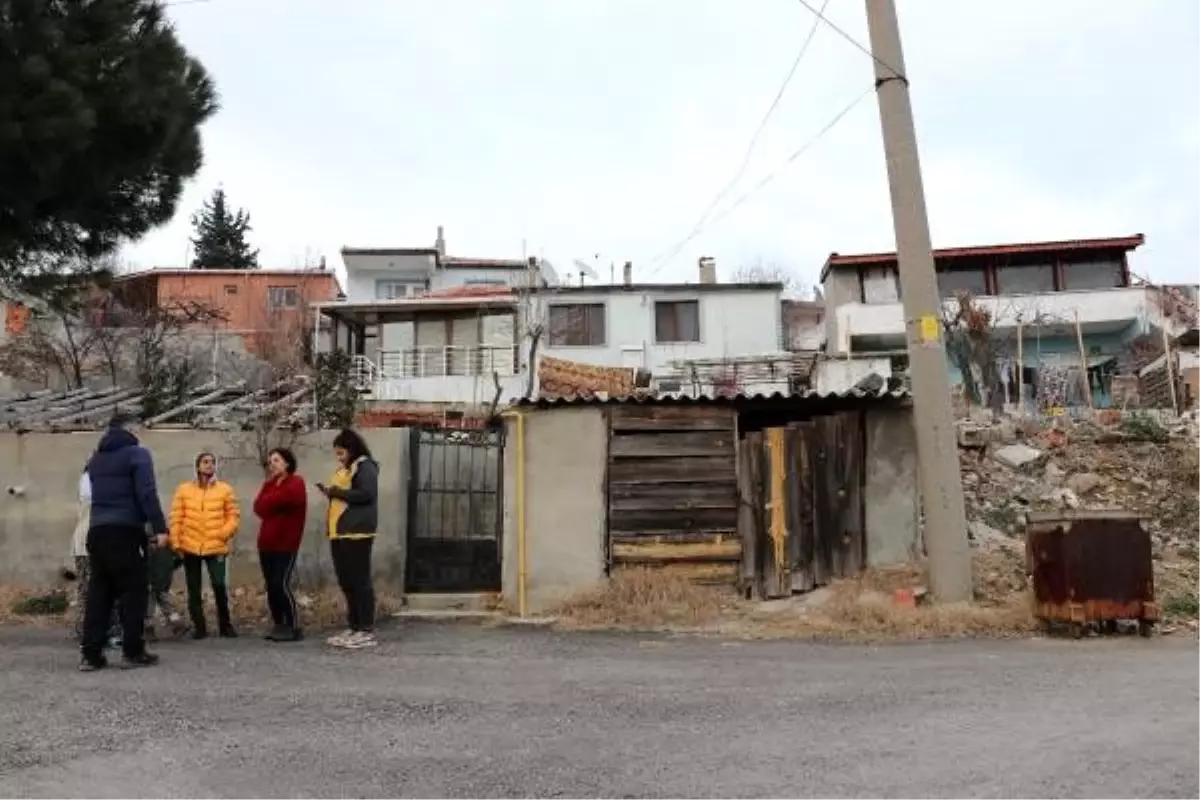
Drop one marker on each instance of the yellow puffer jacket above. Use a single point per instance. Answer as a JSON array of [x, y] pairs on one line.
[[204, 519]]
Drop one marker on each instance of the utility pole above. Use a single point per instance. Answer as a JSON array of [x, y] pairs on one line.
[[937, 446]]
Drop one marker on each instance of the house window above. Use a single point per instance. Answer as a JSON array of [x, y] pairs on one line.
[[1093, 275], [281, 297], [953, 282], [1025, 279], [577, 325], [677, 321], [393, 290], [231, 288]]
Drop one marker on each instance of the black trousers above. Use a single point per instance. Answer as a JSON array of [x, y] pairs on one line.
[[117, 560], [277, 569], [352, 565]]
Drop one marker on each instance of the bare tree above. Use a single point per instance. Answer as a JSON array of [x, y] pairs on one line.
[[762, 271]]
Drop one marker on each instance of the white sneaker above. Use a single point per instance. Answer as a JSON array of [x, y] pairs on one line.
[[340, 639], [359, 640]]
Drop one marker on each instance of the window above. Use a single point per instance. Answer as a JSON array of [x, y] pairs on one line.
[[1108, 274], [577, 325], [677, 321], [280, 297], [231, 288], [1025, 279], [393, 290], [953, 282]]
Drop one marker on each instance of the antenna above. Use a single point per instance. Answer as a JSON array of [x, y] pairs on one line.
[[585, 269]]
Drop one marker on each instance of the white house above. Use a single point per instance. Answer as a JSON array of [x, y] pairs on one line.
[[393, 273], [460, 345], [1047, 302]]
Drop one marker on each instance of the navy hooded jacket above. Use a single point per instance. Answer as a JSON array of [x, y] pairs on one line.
[[124, 491]]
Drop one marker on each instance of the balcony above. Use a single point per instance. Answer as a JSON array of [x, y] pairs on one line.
[[450, 374], [1097, 311]]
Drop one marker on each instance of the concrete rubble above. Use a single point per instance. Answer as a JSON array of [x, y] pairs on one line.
[[1137, 463]]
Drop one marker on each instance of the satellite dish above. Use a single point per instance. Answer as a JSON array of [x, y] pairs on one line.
[[585, 269], [549, 273]]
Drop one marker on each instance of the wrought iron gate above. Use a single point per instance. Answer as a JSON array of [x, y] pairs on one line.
[[455, 510]]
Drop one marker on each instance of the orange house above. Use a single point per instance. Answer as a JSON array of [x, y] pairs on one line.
[[252, 303]]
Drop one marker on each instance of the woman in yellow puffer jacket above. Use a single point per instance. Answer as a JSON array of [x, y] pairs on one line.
[[204, 520]]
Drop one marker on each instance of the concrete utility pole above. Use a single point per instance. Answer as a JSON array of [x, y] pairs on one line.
[[933, 418]]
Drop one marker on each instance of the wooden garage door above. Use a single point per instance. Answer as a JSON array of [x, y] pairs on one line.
[[672, 489]]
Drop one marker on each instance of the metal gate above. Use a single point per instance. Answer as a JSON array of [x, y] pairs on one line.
[[455, 510]]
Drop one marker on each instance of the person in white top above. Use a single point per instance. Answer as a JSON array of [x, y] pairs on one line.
[[79, 559]]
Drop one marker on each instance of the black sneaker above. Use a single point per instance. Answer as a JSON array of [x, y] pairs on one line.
[[149, 634], [140, 660], [92, 664], [227, 632], [199, 633], [277, 634]]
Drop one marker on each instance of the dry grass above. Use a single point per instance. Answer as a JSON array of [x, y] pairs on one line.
[[647, 599], [319, 609], [858, 609]]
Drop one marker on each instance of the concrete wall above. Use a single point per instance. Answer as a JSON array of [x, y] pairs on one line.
[[565, 455], [36, 523], [891, 493], [840, 375]]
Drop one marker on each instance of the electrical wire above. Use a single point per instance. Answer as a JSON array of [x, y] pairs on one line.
[[741, 171], [663, 259], [762, 125], [820, 15]]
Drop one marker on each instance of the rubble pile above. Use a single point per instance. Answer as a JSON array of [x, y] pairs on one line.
[[1134, 462]]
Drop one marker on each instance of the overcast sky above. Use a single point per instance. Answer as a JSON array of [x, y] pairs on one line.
[[609, 127]]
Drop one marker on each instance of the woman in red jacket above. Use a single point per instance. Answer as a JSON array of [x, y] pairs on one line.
[[281, 505]]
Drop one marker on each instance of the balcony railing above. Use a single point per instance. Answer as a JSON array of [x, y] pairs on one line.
[[435, 362]]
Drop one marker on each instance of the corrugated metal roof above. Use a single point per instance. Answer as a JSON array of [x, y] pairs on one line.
[[796, 398]]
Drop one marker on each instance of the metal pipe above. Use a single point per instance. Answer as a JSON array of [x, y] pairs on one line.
[[520, 491]]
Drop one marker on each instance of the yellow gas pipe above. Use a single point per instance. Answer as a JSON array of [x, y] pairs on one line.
[[520, 418]]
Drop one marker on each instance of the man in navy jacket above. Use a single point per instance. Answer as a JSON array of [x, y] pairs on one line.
[[124, 502]]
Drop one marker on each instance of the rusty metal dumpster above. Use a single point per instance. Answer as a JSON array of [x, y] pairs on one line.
[[1090, 567]]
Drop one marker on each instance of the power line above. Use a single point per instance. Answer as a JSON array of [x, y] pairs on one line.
[[766, 118], [664, 258], [721, 195], [820, 15]]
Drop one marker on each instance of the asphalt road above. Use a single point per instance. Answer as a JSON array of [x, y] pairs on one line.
[[464, 711]]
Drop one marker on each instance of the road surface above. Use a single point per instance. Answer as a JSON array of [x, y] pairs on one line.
[[467, 711]]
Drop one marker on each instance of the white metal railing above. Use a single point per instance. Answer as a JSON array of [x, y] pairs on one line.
[[435, 362]]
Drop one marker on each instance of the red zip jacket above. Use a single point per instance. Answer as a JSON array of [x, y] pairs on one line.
[[281, 505]]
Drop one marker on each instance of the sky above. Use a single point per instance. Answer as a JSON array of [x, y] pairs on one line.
[[604, 130]]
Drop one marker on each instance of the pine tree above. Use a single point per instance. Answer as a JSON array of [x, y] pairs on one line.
[[220, 240], [101, 108]]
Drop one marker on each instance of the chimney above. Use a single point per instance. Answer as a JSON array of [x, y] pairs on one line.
[[708, 269], [627, 276], [439, 244]]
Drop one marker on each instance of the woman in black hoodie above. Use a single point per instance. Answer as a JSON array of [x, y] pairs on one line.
[[353, 494]]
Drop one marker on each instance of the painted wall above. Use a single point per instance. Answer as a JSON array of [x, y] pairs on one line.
[[362, 271], [566, 451], [840, 375], [732, 323], [1099, 311], [36, 526], [242, 295]]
